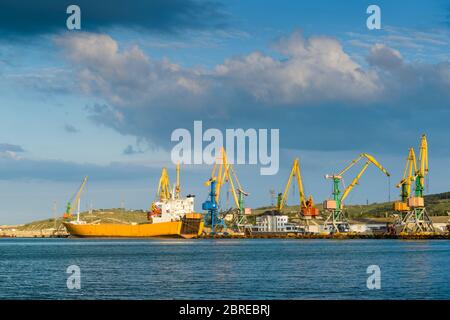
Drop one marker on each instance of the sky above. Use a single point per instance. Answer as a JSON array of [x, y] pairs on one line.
[[103, 101]]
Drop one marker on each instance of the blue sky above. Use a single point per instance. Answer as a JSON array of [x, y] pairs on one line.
[[103, 101]]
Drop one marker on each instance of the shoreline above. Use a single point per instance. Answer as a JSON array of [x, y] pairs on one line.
[[340, 236]]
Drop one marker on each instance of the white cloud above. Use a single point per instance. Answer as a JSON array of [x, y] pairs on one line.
[[128, 77], [426, 45], [382, 56], [315, 70]]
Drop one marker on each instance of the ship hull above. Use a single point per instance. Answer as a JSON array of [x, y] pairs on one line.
[[176, 229]]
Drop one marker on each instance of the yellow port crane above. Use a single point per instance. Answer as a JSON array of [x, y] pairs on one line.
[[409, 175], [417, 219], [337, 221], [75, 200], [307, 208], [222, 173], [422, 171]]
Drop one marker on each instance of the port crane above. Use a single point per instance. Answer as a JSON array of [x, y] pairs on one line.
[[417, 219], [337, 221], [307, 209], [75, 200], [223, 172], [408, 177], [212, 207]]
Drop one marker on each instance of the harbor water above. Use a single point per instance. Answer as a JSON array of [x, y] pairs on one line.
[[224, 269]]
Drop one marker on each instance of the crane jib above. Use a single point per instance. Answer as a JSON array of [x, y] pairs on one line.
[[338, 177]]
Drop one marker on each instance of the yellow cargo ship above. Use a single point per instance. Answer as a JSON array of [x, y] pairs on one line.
[[171, 216], [189, 226]]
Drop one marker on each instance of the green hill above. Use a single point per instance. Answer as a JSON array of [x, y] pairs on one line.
[[437, 205], [114, 215]]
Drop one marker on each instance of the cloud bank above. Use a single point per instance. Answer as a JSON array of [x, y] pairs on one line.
[[312, 89]]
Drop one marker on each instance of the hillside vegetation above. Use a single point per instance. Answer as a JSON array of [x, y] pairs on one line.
[[114, 215]]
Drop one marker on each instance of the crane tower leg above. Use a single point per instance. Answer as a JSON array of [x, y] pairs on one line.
[[417, 220], [337, 222]]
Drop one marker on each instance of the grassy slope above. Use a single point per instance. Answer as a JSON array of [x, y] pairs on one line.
[[437, 205], [105, 215]]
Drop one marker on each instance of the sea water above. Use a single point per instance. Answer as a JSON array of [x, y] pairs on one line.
[[224, 269]]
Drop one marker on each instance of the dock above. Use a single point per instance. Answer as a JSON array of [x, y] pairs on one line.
[[13, 232], [336, 236]]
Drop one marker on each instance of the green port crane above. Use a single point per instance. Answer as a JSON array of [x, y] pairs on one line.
[[417, 219], [337, 221], [422, 171], [408, 177]]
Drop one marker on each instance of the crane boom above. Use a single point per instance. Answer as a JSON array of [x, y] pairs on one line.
[[369, 158], [217, 173], [163, 191], [75, 198], [408, 175], [354, 182], [338, 177], [307, 208], [423, 155], [422, 171], [177, 185], [295, 171], [229, 179]]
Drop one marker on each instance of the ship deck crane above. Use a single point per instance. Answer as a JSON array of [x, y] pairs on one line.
[[337, 221], [223, 172], [177, 184], [165, 191], [75, 200], [307, 208], [417, 219]]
